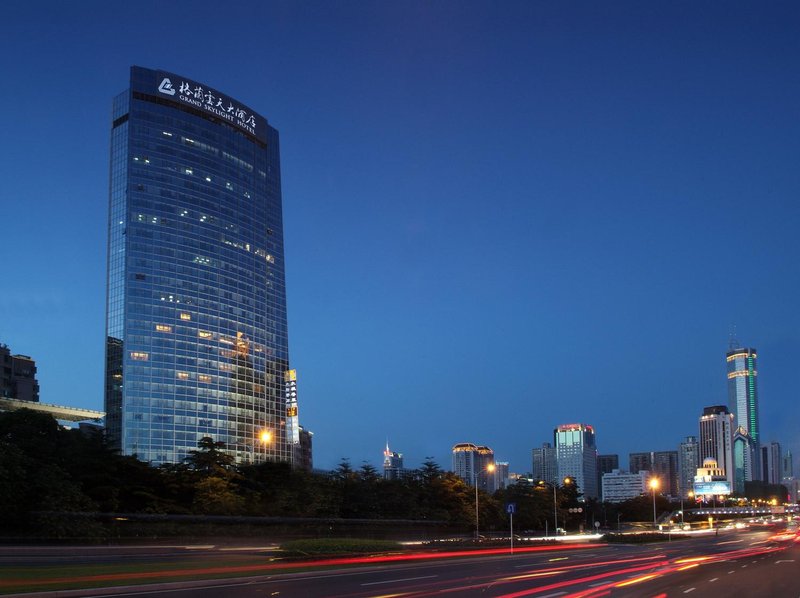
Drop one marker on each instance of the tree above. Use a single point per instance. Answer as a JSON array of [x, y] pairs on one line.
[[217, 496], [211, 458]]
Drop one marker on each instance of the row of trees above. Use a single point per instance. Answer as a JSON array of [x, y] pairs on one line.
[[45, 469]]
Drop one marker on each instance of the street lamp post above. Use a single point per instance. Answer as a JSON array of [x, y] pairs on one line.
[[690, 494], [555, 505], [489, 468], [654, 487]]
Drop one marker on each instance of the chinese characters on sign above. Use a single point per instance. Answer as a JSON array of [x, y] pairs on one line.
[[207, 99], [292, 425]]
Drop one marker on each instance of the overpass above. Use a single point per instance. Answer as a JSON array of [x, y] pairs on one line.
[[72, 414]]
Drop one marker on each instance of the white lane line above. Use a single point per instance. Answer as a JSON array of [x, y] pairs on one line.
[[553, 595], [784, 561], [377, 583], [729, 572], [689, 590], [713, 579], [743, 566], [599, 583]]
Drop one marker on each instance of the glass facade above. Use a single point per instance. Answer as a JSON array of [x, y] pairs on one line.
[[743, 398], [576, 457], [196, 310]]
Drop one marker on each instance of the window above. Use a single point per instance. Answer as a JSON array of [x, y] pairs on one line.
[[140, 356], [163, 328], [182, 375], [204, 378], [186, 316], [204, 334]]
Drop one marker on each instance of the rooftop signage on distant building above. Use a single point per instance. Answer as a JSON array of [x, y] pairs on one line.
[[181, 90]]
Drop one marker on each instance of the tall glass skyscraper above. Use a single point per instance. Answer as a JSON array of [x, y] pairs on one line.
[[743, 398], [196, 308], [576, 456]]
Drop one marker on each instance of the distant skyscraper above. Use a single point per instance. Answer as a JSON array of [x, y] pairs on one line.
[[787, 471], [605, 464], [306, 460], [743, 399], [640, 462], [18, 376], [501, 474], [716, 439], [775, 463], [662, 465], [473, 463], [688, 462], [544, 463], [196, 332], [392, 464], [576, 456], [742, 459]]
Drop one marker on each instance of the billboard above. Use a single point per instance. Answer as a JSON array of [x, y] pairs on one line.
[[292, 423], [712, 488]]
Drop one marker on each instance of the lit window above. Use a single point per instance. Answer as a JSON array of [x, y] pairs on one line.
[[204, 378], [182, 375], [168, 134], [204, 334], [163, 328], [228, 186], [185, 316], [140, 356], [208, 179], [188, 171]]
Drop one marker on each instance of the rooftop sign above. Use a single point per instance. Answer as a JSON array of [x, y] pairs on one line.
[[180, 90]]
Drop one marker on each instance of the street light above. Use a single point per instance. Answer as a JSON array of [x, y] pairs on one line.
[[263, 438], [489, 468], [567, 481], [654, 487], [689, 494]]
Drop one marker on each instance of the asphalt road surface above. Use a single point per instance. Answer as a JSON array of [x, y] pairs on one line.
[[735, 563]]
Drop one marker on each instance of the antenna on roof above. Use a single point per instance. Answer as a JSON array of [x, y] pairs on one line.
[[733, 343]]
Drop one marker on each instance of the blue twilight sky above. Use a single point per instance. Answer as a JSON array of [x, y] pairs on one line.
[[500, 216]]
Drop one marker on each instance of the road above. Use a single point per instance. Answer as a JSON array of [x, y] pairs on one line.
[[750, 563]]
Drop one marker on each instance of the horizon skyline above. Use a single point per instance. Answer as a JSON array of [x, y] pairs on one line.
[[497, 219]]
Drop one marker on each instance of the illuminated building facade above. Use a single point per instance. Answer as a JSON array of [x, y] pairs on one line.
[[576, 457], [619, 486], [711, 480], [662, 465], [742, 459], [688, 462], [196, 341], [392, 464], [475, 464], [716, 439], [543, 462], [743, 399]]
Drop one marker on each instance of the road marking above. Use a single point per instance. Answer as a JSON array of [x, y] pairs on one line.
[[713, 579], [689, 590], [599, 583], [729, 572], [743, 566], [553, 595], [784, 561], [377, 583]]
